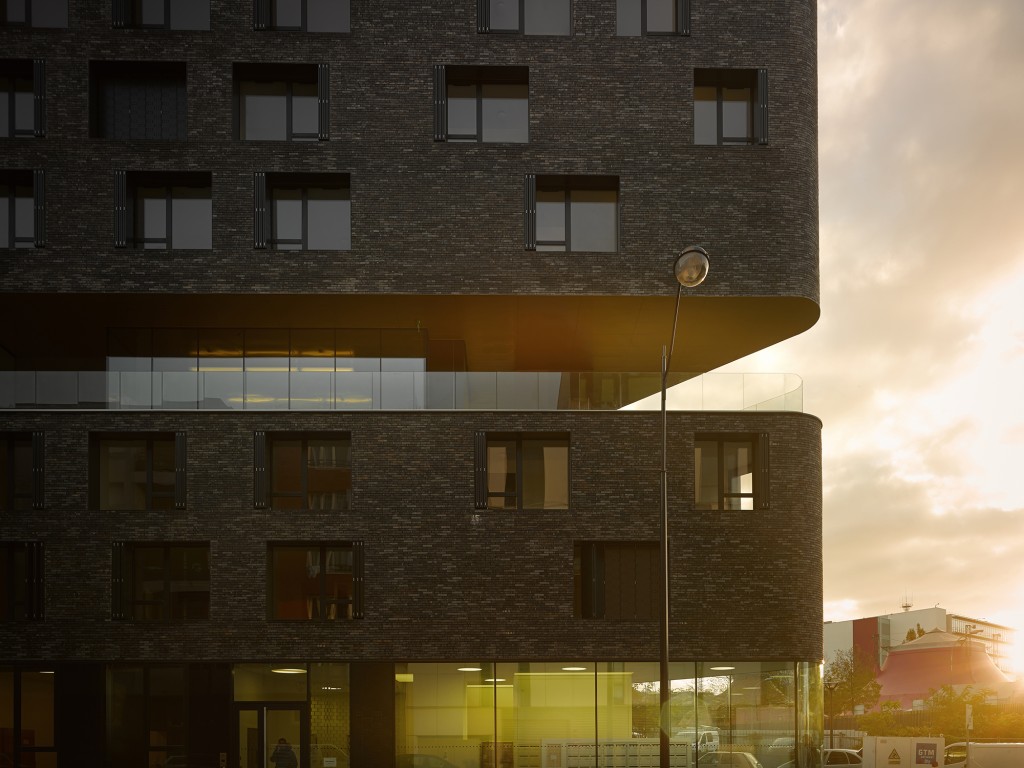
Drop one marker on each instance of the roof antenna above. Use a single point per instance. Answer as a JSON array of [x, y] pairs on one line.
[[908, 603]]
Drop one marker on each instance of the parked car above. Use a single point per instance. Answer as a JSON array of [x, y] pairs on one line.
[[834, 757], [728, 760]]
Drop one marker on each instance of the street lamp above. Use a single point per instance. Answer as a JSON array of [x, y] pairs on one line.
[[691, 268], [830, 686]]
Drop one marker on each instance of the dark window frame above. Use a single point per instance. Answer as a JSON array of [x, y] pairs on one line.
[[760, 492], [11, 181], [31, 605], [567, 183], [754, 79], [483, 20], [263, 453], [23, 753], [179, 442], [123, 601], [264, 11], [127, 14], [148, 705], [15, 72], [28, 22], [129, 221], [116, 88], [264, 218], [478, 76], [289, 74], [682, 12], [12, 500], [483, 495], [592, 581], [324, 600]]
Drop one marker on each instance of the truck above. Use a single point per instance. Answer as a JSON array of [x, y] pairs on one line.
[[984, 755]]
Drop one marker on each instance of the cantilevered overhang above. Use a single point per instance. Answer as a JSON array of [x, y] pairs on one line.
[[501, 333]]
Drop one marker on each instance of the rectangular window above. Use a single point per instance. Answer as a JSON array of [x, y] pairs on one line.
[[138, 471], [163, 210], [21, 209], [147, 717], [526, 17], [282, 102], [652, 17], [138, 100], [27, 708], [316, 582], [571, 213], [616, 580], [730, 471], [311, 211], [34, 13], [21, 470], [22, 98], [303, 15], [730, 106], [522, 470], [161, 582], [162, 14], [21, 580], [303, 470], [490, 104]]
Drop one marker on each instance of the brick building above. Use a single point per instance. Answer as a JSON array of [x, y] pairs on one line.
[[316, 320]]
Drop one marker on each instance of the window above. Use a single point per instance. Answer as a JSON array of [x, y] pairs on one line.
[[316, 582], [730, 471], [137, 471], [522, 471], [27, 708], [730, 106], [147, 717], [22, 98], [21, 470], [311, 211], [572, 213], [526, 17], [282, 102], [162, 14], [163, 210], [34, 13], [303, 471], [616, 580], [160, 582], [481, 104], [21, 580], [21, 209], [138, 100], [652, 17], [304, 15]]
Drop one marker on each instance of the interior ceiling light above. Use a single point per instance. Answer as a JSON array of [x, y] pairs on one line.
[[574, 669], [470, 669], [495, 680], [722, 669], [288, 670]]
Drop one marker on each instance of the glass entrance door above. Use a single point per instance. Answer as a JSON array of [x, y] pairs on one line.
[[271, 735]]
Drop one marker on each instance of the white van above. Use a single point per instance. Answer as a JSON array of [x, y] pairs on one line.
[[705, 739], [1005, 755]]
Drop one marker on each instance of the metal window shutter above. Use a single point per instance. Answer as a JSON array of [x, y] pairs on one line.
[[762, 483], [39, 96], [684, 17], [39, 207], [260, 217], [480, 470], [35, 596], [261, 14], [120, 209], [38, 465], [357, 580], [117, 568], [530, 212], [323, 97], [119, 14], [260, 490], [180, 470], [440, 103], [761, 113], [483, 16]]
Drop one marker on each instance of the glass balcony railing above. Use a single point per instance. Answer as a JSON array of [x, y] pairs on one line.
[[356, 390]]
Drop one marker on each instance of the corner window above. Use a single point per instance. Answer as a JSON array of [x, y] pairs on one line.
[[310, 211], [21, 580], [138, 100], [303, 15], [489, 104], [21, 209], [138, 471], [34, 13], [616, 580], [730, 471], [163, 210], [572, 213], [652, 17], [161, 582], [303, 471], [730, 106], [525, 17], [282, 102], [147, 716], [22, 98], [316, 582], [21, 470], [162, 14], [522, 471]]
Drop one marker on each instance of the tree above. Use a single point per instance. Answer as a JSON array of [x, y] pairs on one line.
[[913, 634], [854, 674], [948, 710]]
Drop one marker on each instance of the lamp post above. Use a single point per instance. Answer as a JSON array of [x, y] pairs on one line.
[[691, 268], [830, 686]]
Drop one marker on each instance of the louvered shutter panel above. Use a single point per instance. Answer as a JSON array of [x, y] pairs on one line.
[[357, 579], [38, 464], [261, 14], [117, 570], [440, 103], [34, 581], [120, 209], [180, 470], [260, 480], [39, 97], [483, 16], [762, 484], [39, 207], [530, 212], [761, 112], [684, 17], [480, 470], [260, 217], [323, 97], [119, 13]]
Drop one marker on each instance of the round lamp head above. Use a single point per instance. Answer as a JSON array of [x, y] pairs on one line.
[[692, 266]]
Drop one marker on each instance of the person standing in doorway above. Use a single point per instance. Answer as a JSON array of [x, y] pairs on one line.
[[284, 756]]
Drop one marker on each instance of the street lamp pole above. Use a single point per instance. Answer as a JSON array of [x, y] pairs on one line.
[[830, 686], [691, 268]]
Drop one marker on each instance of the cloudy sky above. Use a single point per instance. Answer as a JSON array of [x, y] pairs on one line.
[[916, 367]]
